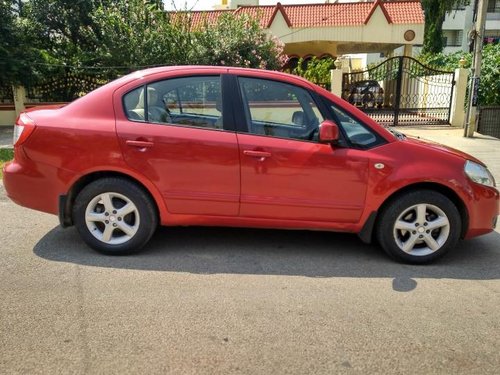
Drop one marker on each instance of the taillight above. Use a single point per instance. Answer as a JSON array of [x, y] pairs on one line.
[[23, 129]]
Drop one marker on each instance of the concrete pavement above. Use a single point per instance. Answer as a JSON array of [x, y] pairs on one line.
[[6, 133], [241, 301]]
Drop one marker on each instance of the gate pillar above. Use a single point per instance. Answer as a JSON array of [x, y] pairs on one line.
[[336, 77], [19, 98], [457, 111]]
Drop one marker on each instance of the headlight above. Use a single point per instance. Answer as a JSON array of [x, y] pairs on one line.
[[479, 174]]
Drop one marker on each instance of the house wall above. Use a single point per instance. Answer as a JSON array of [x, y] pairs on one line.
[[461, 20], [7, 115], [377, 35]]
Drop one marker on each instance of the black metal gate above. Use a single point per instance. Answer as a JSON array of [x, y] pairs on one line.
[[489, 123], [401, 91], [64, 87]]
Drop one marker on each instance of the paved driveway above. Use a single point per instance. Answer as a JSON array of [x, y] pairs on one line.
[[212, 300]]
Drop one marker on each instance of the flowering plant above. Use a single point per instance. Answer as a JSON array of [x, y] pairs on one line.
[[238, 40]]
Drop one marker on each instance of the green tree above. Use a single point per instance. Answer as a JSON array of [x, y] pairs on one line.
[[18, 51], [8, 32], [61, 27], [15, 50], [138, 33], [435, 12], [53, 39]]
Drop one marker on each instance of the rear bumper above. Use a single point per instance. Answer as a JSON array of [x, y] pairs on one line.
[[34, 186]]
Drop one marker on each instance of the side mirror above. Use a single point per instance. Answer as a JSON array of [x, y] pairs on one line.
[[328, 132]]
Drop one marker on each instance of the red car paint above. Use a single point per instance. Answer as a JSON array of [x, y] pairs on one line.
[[200, 176]]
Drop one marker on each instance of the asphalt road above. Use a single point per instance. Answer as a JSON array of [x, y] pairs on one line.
[[215, 301]]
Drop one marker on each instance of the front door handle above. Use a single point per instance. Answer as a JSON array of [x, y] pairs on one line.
[[257, 154], [140, 144]]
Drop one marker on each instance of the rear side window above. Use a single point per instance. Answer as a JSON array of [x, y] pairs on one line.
[[190, 101], [133, 103]]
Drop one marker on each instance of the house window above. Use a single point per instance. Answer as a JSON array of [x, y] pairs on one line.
[[453, 38], [494, 6]]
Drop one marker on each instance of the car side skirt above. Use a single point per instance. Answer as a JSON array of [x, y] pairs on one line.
[[252, 222]]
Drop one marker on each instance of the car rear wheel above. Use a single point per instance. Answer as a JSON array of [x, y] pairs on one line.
[[114, 216], [419, 227]]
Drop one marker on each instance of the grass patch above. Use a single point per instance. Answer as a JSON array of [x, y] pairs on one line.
[[5, 156]]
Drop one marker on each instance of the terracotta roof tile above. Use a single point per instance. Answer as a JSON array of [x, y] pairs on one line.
[[317, 15], [340, 14], [262, 13], [405, 12], [198, 18]]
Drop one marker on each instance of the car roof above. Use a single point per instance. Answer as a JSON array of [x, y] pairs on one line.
[[144, 73]]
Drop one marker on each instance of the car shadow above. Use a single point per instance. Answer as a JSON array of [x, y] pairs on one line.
[[203, 250]]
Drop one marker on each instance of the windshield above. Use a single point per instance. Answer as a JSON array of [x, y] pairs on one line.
[[396, 133], [358, 135]]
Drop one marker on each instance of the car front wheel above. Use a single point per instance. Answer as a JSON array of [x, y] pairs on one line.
[[419, 227], [114, 216]]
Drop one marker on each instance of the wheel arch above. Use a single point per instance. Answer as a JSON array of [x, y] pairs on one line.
[[367, 232], [67, 201]]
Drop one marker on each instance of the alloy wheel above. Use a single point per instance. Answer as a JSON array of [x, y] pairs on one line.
[[112, 218], [421, 229]]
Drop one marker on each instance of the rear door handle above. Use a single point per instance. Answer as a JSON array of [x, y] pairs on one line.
[[140, 144], [257, 154]]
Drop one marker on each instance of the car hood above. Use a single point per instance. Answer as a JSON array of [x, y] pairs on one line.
[[442, 148]]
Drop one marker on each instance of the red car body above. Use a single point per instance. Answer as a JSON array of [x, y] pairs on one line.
[[230, 177]]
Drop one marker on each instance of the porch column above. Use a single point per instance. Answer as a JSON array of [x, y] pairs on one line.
[[336, 76], [408, 50]]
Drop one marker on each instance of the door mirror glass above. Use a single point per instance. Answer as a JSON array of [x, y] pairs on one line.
[[328, 132]]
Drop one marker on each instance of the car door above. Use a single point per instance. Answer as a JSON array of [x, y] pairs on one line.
[[173, 135], [285, 172]]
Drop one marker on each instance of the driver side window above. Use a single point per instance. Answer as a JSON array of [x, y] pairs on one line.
[[279, 109]]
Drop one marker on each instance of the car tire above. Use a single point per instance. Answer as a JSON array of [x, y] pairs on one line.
[[419, 227], [115, 216]]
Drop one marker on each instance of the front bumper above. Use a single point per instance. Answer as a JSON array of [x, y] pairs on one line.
[[483, 210]]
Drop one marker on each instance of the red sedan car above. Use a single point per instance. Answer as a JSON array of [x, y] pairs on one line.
[[240, 147]]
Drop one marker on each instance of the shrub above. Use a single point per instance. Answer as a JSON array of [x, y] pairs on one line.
[[489, 89], [237, 40]]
